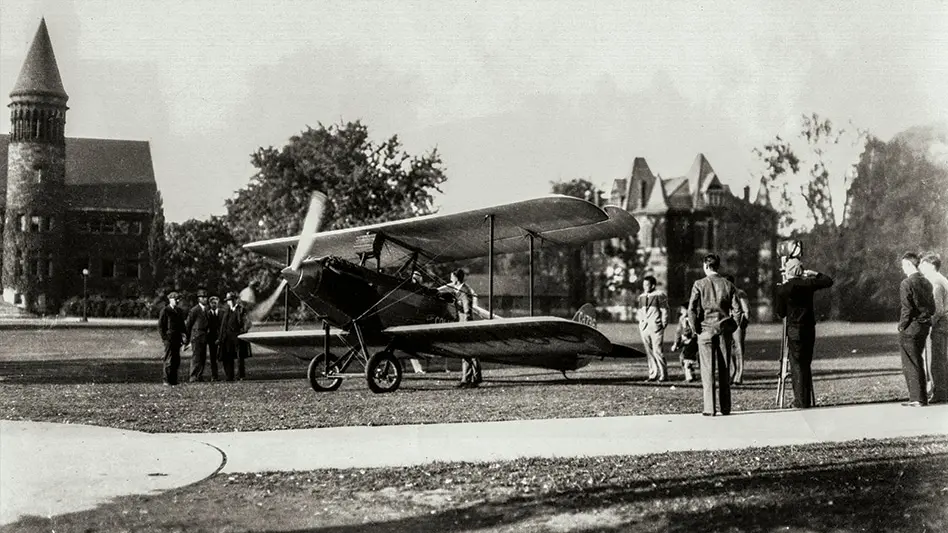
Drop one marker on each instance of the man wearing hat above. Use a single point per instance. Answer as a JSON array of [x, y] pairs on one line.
[[171, 328], [795, 303], [213, 334], [196, 327], [233, 323]]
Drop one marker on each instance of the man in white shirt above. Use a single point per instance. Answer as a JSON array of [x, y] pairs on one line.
[[653, 317], [937, 363]]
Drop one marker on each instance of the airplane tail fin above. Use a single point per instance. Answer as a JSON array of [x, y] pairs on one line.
[[586, 315]]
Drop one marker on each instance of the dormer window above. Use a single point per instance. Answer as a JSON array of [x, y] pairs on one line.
[[642, 199]]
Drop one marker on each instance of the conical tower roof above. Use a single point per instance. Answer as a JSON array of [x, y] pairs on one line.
[[40, 73]]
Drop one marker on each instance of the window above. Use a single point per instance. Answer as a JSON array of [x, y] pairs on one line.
[[39, 173], [18, 263], [22, 222], [17, 299], [35, 223], [642, 199], [49, 266], [107, 227], [47, 224], [132, 268], [121, 227], [108, 268], [136, 227]]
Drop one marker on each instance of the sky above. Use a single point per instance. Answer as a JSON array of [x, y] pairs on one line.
[[513, 94]]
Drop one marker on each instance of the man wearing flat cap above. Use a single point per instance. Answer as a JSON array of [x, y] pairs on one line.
[[233, 323], [171, 328], [795, 303], [196, 327], [213, 335]]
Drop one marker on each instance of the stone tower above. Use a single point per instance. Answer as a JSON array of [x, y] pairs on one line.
[[35, 219]]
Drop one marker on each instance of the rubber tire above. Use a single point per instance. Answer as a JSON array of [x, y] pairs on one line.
[[316, 365], [375, 362]]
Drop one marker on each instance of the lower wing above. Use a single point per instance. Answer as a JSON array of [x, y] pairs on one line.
[[543, 342]]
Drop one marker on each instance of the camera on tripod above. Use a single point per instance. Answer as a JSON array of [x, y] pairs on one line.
[[787, 250]]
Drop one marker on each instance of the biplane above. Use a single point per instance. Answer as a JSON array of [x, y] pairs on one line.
[[378, 315]]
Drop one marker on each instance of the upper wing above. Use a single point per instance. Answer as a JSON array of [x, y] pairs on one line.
[[450, 237], [545, 342]]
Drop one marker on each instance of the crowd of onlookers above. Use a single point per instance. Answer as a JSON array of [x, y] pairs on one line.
[[712, 328]]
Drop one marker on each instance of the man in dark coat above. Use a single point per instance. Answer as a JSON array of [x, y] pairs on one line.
[[213, 335], [915, 321], [233, 323], [196, 327], [715, 312], [171, 328], [795, 303]]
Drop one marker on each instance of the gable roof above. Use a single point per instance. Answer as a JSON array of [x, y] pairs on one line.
[[40, 73], [106, 173]]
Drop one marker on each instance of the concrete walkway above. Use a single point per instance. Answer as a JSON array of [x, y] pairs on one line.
[[50, 469]]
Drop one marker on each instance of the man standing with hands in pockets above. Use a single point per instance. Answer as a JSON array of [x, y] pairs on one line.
[[653, 317]]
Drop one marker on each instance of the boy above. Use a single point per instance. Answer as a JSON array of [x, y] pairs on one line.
[[687, 342]]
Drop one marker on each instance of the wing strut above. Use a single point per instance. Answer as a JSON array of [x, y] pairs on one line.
[[490, 268], [286, 296], [530, 291]]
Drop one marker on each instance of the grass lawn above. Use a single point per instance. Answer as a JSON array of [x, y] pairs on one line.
[[112, 378], [868, 486]]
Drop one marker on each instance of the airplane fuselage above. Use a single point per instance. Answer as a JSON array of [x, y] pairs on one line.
[[343, 293]]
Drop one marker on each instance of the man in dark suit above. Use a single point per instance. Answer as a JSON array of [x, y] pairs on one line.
[[171, 328], [795, 303], [213, 335], [915, 321], [715, 312], [196, 327], [233, 320]]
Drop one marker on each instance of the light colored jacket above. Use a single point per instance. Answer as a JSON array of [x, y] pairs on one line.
[[940, 292], [653, 311]]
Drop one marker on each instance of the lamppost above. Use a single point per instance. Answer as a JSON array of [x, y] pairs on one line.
[[85, 279]]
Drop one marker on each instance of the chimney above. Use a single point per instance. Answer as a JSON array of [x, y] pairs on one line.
[[747, 193]]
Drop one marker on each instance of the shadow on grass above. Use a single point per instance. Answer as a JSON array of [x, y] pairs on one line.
[[133, 370], [893, 495]]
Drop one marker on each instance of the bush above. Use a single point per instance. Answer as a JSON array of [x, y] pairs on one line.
[[100, 306]]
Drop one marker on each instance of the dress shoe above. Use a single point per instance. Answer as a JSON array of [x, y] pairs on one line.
[[913, 404]]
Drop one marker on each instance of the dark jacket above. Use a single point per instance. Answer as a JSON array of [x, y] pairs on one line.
[[197, 324], [214, 325], [233, 323], [918, 305], [171, 324], [795, 299], [714, 307]]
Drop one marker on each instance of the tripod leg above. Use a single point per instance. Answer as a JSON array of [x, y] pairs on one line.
[[714, 378], [782, 376]]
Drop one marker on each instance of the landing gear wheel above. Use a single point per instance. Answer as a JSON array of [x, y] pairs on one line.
[[383, 372], [317, 373]]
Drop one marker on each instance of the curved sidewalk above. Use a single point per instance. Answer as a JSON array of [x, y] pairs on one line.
[[48, 469], [366, 447]]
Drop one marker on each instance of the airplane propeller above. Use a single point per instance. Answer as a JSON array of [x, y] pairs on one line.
[[311, 226]]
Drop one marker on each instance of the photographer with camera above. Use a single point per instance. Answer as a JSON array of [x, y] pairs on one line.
[[795, 304]]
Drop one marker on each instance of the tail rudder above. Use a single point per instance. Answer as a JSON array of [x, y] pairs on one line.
[[586, 315]]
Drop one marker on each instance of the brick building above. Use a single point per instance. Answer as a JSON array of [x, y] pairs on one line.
[[69, 204], [683, 218]]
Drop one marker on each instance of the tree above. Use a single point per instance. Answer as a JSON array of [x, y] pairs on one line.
[[898, 204], [156, 241], [821, 195], [366, 182], [202, 253]]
